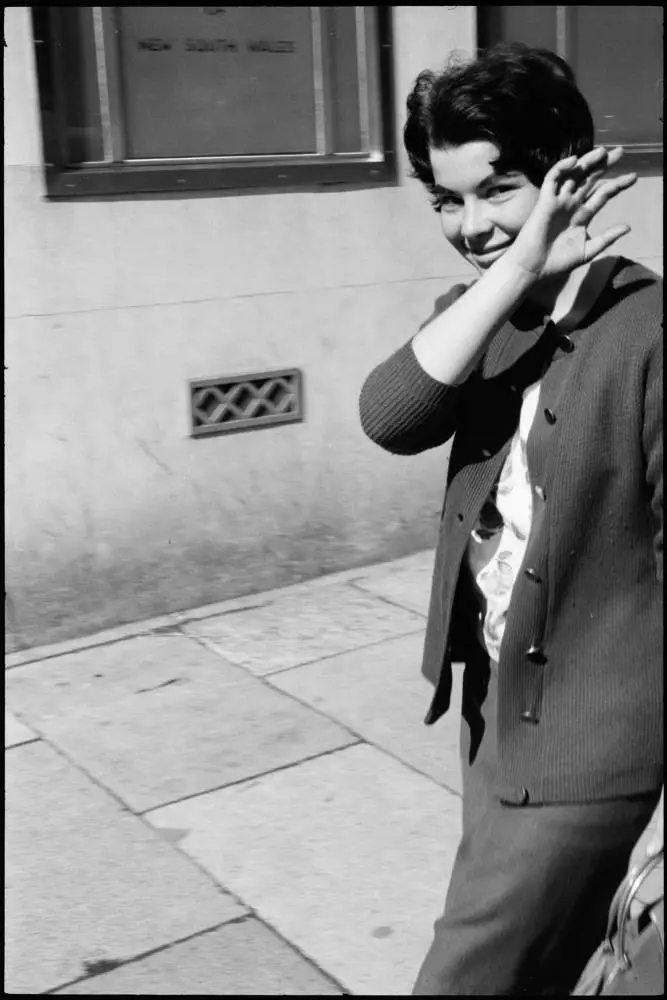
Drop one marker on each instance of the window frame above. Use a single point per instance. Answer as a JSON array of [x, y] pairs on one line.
[[645, 157], [241, 174]]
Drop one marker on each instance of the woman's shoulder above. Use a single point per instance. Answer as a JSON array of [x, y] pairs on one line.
[[633, 301], [631, 278]]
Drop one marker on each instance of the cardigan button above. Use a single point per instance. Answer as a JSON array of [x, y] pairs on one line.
[[550, 416], [535, 653], [515, 796], [533, 575], [566, 344]]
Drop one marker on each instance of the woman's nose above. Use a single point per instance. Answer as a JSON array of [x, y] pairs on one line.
[[475, 222]]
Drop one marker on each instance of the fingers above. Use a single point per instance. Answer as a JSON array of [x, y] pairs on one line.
[[555, 176], [577, 174], [595, 245], [625, 180], [600, 158], [590, 182], [614, 155], [597, 196], [569, 187]]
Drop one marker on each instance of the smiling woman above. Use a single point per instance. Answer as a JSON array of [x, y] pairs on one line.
[[482, 212], [548, 570]]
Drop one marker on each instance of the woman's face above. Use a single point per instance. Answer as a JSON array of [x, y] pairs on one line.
[[481, 212]]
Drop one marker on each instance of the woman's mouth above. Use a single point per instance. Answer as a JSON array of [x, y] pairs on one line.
[[486, 258]]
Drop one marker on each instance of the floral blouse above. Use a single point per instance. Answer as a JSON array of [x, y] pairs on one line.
[[498, 541]]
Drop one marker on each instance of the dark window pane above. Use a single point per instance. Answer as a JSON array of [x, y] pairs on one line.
[[342, 79], [76, 66], [615, 51], [217, 81], [617, 54], [531, 25]]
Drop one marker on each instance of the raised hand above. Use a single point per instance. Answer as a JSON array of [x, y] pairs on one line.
[[555, 239]]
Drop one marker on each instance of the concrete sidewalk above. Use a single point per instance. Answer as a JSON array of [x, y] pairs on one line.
[[239, 800]]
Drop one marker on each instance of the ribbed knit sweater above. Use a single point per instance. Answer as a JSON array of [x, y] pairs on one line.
[[581, 664]]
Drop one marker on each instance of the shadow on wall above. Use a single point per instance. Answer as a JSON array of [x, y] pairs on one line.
[[83, 598], [14, 639]]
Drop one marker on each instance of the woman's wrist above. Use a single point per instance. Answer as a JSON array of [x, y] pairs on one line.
[[508, 280], [513, 266]]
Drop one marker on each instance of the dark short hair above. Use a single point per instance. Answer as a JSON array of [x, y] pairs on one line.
[[524, 100]]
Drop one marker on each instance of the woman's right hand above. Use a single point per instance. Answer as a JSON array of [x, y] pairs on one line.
[[555, 240]]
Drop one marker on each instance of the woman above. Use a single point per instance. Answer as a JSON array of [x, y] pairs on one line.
[[547, 372]]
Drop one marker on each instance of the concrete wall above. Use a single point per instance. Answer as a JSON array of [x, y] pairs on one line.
[[112, 512]]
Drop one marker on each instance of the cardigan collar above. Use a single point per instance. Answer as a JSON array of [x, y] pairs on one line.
[[531, 322], [592, 286], [533, 318]]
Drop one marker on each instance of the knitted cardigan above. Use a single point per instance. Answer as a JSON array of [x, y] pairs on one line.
[[581, 663]]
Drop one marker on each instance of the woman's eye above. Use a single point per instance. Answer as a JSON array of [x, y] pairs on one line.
[[445, 203], [498, 189]]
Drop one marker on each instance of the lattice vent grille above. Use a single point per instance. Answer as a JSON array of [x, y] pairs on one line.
[[241, 402]]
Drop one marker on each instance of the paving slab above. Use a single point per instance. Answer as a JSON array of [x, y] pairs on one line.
[[29, 654], [86, 881], [299, 628], [406, 583], [158, 718], [347, 856], [242, 959], [379, 692], [16, 733]]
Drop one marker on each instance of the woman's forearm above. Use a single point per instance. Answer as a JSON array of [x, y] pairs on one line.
[[449, 348]]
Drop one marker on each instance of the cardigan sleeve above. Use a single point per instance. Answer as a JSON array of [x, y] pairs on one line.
[[402, 408], [652, 442]]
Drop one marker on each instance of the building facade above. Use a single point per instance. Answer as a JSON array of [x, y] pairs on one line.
[[114, 512]]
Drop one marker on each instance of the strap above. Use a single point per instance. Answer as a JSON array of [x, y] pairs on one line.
[[620, 907]]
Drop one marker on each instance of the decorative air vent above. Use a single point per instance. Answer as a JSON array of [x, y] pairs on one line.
[[242, 402]]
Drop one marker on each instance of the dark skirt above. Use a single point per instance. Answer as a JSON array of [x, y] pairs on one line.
[[531, 886]]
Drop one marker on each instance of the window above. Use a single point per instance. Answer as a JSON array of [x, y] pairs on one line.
[[142, 99], [617, 55]]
